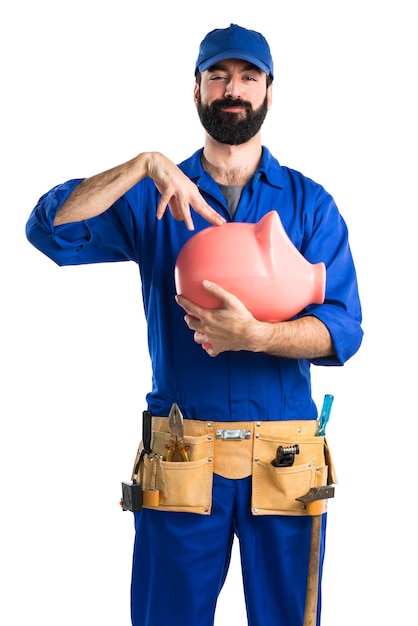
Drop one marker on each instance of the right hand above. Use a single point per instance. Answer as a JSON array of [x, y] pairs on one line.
[[178, 192]]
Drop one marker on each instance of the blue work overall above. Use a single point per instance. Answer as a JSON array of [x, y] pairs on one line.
[[181, 561]]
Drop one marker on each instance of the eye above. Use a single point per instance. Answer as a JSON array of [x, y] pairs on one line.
[[217, 77]]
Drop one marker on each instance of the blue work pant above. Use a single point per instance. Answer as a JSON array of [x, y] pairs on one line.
[[181, 561]]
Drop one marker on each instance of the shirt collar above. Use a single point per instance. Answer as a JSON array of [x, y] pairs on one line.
[[269, 167]]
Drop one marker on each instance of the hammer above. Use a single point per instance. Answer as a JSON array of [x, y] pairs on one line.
[[315, 501]]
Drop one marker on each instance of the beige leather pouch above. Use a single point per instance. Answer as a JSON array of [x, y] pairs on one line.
[[182, 486], [276, 489]]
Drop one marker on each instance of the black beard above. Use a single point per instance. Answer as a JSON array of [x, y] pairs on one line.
[[231, 128]]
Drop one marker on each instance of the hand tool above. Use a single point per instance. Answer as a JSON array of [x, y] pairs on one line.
[[315, 501], [285, 456], [324, 415], [132, 493], [176, 442]]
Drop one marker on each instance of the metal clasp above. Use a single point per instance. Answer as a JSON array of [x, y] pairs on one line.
[[234, 435]]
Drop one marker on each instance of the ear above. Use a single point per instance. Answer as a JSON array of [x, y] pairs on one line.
[[196, 93], [269, 95]]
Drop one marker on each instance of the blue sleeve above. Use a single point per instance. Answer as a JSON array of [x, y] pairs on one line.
[[341, 311], [106, 238]]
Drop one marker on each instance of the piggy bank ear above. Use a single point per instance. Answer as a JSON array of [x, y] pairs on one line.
[[297, 282], [276, 248], [265, 229]]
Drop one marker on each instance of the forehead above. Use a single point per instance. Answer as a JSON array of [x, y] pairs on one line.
[[227, 65]]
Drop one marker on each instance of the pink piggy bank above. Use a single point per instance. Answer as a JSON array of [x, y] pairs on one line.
[[256, 262]]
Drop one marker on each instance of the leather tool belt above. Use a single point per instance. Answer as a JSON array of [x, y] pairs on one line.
[[237, 450]]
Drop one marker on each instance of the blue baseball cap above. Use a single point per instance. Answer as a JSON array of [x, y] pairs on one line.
[[235, 42]]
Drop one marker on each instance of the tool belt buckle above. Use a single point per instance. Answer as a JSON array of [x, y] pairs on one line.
[[232, 435]]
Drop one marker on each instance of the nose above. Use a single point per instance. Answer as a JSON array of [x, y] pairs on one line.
[[232, 88]]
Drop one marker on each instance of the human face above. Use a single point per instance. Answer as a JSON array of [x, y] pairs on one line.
[[232, 101]]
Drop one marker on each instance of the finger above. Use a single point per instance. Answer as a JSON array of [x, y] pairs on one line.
[[216, 290], [168, 199], [206, 211], [181, 213], [198, 337], [187, 215], [190, 307], [210, 351], [172, 203], [162, 206]]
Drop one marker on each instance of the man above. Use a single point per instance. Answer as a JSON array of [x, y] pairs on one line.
[[251, 377]]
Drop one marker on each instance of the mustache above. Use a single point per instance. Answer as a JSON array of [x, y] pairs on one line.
[[218, 105]]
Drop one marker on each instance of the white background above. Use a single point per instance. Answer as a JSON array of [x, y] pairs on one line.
[[88, 85]]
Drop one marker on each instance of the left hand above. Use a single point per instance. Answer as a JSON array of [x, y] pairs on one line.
[[229, 328]]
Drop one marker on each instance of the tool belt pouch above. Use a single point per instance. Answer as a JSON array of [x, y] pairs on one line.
[[275, 489], [187, 486], [182, 486]]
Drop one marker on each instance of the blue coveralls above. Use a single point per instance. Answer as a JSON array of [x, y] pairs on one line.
[[185, 555]]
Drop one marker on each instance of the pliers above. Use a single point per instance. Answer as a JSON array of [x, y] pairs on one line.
[[176, 441]]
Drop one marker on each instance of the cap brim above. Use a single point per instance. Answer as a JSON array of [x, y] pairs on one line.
[[234, 54]]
